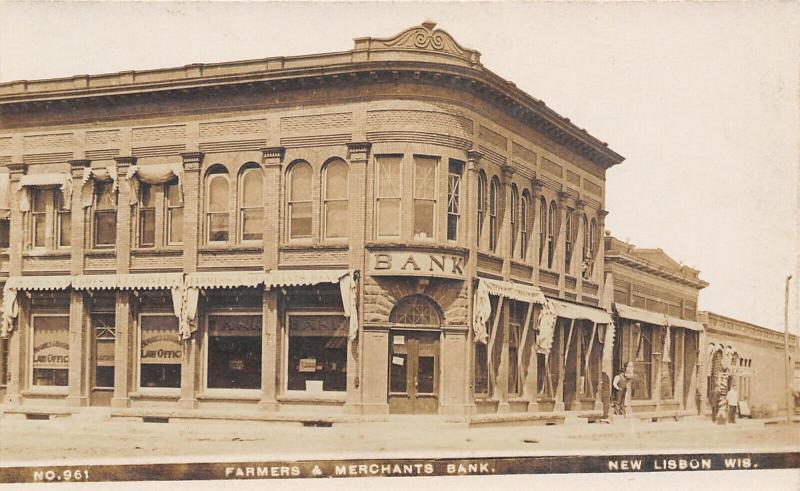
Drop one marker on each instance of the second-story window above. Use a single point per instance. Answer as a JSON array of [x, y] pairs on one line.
[[39, 199], [147, 215], [594, 240], [552, 233], [389, 194], [251, 204], [174, 209], [300, 201], [481, 205], [105, 215], [64, 221], [568, 244], [5, 232], [336, 197], [542, 227], [455, 171], [424, 196], [514, 218], [217, 211], [494, 191], [50, 220], [525, 223]]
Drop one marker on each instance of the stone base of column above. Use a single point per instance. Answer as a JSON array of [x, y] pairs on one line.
[[269, 406], [367, 408], [456, 409], [598, 406], [558, 406], [503, 407], [187, 403], [533, 407], [77, 401], [12, 399], [120, 402]]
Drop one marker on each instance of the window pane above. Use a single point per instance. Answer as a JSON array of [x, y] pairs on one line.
[[175, 218], [300, 220], [452, 227], [425, 177], [423, 218], [336, 219], [317, 353], [481, 369], [425, 374], [38, 230], [104, 195], [218, 193], [105, 224], [218, 227], [234, 352], [389, 182], [389, 217], [173, 195], [336, 180], [39, 200], [301, 183], [147, 227], [252, 188], [252, 224], [148, 198], [4, 233], [65, 229], [161, 352], [50, 350]]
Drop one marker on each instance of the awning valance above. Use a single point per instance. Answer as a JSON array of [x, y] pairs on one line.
[[142, 281], [686, 324], [641, 315], [218, 279], [574, 311], [284, 278], [38, 283], [514, 291], [153, 174], [61, 179]]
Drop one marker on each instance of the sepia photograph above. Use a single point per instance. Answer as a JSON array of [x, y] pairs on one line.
[[288, 241]]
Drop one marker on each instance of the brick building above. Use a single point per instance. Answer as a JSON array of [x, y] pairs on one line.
[[390, 229]]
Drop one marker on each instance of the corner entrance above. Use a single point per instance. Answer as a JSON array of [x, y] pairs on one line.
[[414, 356], [413, 372]]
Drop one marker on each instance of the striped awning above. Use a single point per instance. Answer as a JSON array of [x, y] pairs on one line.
[[38, 283], [140, 281], [641, 315], [281, 278], [226, 279]]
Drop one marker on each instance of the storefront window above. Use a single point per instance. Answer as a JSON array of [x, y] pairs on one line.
[[389, 195], [234, 351], [454, 198], [337, 194], [50, 350], [105, 215], [161, 351], [425, 184], [104, 335], [668, 368], [642, 353], [317, 353]]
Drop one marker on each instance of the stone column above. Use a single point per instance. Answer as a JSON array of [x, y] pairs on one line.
[[79, 339], [16, 355], [270, 340], [472, 241], [358, 156]]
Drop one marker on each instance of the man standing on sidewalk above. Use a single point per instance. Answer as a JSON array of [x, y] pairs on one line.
[[733, 403]]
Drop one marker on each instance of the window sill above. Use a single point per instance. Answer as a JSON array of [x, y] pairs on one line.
[[45, 392], [156, 251], [233, 248], [333, 398], [230, 394], [46, 253], [101, 251], [103, 389], [154, 393], [329, 245]]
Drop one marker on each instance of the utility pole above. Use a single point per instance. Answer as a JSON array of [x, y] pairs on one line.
[[787, 376]]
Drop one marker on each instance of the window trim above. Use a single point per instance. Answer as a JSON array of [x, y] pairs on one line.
[[210, 177], [434, 200], [481, 204], [284, 379], [326, 200], [515, 221], [168, 213], [398, 198], [44, 389], [525, 224], [205, 352], [494, 232], [248, 168], [103, 211], [454, 195], [552, 233], [289, 202]]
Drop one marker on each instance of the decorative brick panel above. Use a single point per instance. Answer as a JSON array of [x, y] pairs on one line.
[[573, 178], [58, 263], [436, 121], [233, 146], [316, 122], [163, 260], [230, 259], [5, 159], [316, 141], [521, 271], [46, 142], [492, 138], [102, 154], [489, 263], [5, 144], [102, 137], [418, 137], [551, 167], [492, 156], [227, 128], [156, 133], [103, 263], [158, 151], [523, 154], [591, 187], [548, 277], [47, 158], [311, 257]]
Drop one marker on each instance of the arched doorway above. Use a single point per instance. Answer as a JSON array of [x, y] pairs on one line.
[[414, 356]]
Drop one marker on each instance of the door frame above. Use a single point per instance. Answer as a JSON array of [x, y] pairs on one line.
[[409, 330]]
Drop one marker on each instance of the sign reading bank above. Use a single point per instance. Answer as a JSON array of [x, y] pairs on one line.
[[413, 263]]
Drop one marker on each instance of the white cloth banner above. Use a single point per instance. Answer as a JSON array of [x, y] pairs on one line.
[[574, 311], [10, 310], [61, 179], [101, 174], [153, 174], [347, 287], [481, 311], [482, 306], [547, 327]]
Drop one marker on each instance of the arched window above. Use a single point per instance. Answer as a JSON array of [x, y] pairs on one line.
[[481, 205], [335, 197], [217, 204], [552, 233], [514, 218], [251, 204], [300, 201], [525, 224], [416, 310], [585, 258], [570, 229], [593, 243], [494, 191], [542, 227]]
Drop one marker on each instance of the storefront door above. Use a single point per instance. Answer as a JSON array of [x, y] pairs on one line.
[[413, 372]]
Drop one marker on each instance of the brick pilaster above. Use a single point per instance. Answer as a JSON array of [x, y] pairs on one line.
[[192, 163], [123, 245], [273, 165], [78, 217], [15, 342], [472, 241]]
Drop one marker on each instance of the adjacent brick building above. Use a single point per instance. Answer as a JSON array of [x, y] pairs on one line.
[[390, 229]]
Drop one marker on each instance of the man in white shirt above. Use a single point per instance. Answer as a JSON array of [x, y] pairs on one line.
[[733, 403]]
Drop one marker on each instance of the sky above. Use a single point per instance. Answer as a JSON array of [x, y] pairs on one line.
[[702, 99]]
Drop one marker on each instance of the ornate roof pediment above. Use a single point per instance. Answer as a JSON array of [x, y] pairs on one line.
[[421, 38], [658, 257]]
